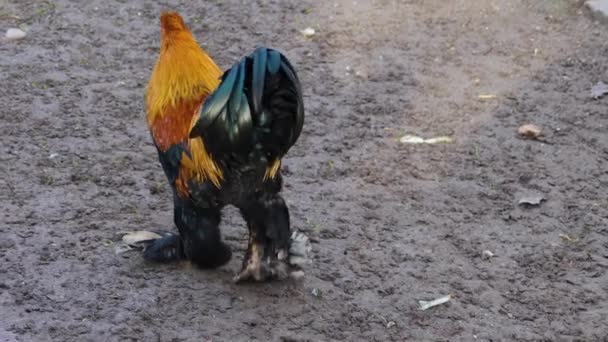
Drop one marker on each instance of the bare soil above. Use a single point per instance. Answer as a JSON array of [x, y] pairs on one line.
[[391, 223]]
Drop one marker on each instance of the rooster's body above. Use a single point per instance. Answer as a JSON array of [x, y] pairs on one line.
[[220, 140]]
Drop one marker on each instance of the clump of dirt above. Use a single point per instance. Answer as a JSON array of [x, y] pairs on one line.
[[392, 223]]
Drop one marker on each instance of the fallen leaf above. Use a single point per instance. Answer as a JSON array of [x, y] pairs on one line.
[[57, 298], [439, 140], [529, 131], [308, 32], [568, 238], [133, 238], [424, 305], [413, 139], [599, 89], [487, 254], [532, 200]]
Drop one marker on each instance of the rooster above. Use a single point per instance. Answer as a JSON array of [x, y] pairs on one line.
[[220, 139]]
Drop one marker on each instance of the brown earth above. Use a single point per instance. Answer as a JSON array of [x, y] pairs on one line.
[[392, 223]]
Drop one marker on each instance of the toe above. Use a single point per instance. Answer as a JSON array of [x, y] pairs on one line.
[[259, 272]]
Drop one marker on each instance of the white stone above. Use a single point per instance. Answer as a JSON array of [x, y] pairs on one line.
[[14, 34]]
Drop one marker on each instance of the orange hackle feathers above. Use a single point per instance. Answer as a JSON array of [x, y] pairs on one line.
[[184, 75], [202, 164], [183, 70]]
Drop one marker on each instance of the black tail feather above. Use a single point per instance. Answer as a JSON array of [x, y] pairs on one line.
[[257, 107]]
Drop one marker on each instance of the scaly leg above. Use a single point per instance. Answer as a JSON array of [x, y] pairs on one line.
[[267, 218]]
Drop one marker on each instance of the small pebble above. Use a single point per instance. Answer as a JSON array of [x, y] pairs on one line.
[[529, 131], [14, 34]]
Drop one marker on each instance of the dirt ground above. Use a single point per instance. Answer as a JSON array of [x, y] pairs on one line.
[[391, 223]]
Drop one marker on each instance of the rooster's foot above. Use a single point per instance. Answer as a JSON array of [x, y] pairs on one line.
[[260, 266]]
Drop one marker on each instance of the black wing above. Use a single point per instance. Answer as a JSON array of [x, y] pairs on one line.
[[257, 109]]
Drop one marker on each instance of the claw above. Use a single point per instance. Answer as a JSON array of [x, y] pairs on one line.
[[281, 265], [263, 272], [259, 268], [253, 266], [250, 272]]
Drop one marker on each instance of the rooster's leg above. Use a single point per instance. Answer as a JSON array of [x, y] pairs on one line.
[[268, 221], [199, 237]]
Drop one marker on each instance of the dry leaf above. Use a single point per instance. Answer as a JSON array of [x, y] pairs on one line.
[[568, 238], [424, 305], [531, 200], [133, 238], [413, 139], [308, 32], [487, 254], [439, 140]]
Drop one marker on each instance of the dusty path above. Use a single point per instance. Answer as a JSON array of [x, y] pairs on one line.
[[392, 223]]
